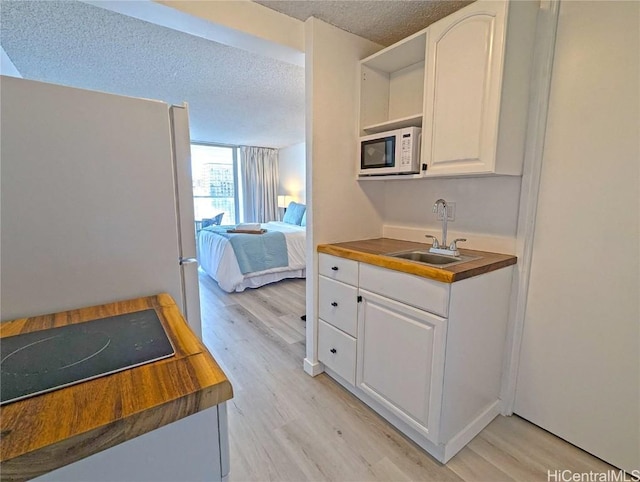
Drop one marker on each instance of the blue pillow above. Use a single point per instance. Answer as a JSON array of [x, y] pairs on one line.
[[303, 222], [294, 213]]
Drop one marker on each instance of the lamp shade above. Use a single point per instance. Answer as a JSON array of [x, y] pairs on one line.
[[283, 201]]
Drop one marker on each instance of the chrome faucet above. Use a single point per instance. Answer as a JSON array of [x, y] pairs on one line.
[[444, 219], [442, 248]]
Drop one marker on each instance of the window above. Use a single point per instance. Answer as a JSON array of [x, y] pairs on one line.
[[214, 172]]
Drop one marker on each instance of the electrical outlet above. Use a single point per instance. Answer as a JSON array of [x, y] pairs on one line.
[[451, 211]]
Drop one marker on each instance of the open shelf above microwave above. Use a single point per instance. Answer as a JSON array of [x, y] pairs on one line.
[[409, 121]]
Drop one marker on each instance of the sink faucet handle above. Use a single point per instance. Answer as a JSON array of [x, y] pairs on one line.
[[453, 246], [435, 243]]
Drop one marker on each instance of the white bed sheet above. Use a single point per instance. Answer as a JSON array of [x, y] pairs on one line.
[[218, 260]]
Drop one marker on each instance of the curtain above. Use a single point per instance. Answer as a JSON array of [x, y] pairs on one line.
[[259, 171]]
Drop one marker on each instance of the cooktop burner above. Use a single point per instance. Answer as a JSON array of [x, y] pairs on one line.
[[38, 362]]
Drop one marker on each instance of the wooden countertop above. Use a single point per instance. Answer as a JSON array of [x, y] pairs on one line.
[[45, 432], [370, 251]]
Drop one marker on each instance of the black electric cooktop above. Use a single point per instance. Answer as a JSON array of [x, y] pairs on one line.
[[42, 361]]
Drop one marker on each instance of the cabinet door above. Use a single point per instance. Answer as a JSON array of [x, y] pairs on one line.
[[462, 90], [401, 360]]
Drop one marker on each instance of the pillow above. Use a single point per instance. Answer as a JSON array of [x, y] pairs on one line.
[[216, 220], [205, 223], [294, 213], [303, 222]]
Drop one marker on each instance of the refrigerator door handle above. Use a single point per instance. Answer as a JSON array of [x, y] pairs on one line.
[[187, 260]]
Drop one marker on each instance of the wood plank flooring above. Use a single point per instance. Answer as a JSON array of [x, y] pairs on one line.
[[287, 426]]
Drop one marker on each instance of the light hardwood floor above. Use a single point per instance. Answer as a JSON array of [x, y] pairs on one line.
[[287, 426]]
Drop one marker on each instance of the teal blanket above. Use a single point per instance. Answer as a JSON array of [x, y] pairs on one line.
[[256, 252]]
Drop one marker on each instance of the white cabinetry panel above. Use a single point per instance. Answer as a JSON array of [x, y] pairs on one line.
[[463, 91], [160, 455], [337, 304], [420, 292], [339, 269], [477, 89], [401, 360], [395, 360], [337, 351]]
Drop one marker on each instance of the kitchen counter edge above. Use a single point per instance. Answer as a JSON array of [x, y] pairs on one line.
[[371, 251]]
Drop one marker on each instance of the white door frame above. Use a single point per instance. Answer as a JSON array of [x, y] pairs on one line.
[[532, 169]]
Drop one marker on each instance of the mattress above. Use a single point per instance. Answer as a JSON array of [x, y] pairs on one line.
[[218, 260]]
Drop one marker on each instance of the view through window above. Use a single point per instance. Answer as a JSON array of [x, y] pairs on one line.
[[214, 173]]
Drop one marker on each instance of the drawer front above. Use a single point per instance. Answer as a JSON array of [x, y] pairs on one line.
[[337, 350], [339, 269], [423, 293], [338, 304]]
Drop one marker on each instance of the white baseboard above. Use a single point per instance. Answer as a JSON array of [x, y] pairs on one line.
[[467, 434], [313, 369]]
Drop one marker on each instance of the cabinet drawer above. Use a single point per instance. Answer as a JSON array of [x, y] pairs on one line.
[[427, 294], [337, 350], [338, 304], [340, 269]]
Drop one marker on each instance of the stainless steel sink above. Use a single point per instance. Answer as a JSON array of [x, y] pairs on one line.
[[431, 259]]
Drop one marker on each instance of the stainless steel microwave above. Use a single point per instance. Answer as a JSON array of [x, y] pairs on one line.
[[392, 152]]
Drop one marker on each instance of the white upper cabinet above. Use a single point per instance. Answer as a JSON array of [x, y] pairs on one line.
[[469, 91], [463, 90], [477, 89]]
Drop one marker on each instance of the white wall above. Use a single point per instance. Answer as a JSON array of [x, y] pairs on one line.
[[579, 373], [339, 209], [486, 210], [342, 209], [292, 166]]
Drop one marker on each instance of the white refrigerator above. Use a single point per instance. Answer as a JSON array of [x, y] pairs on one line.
[[96, 200]]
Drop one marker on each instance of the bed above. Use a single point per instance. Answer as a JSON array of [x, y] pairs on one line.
[[235, 272]]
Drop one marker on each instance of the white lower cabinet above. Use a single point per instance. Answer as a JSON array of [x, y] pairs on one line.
[[436, 379], [192, 448], [401, 360]]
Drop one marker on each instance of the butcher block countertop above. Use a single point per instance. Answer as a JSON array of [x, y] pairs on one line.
[[48, 431], [370, 251]]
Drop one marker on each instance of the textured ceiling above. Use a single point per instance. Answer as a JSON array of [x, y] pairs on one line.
[[381, 21], [235, 96]]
